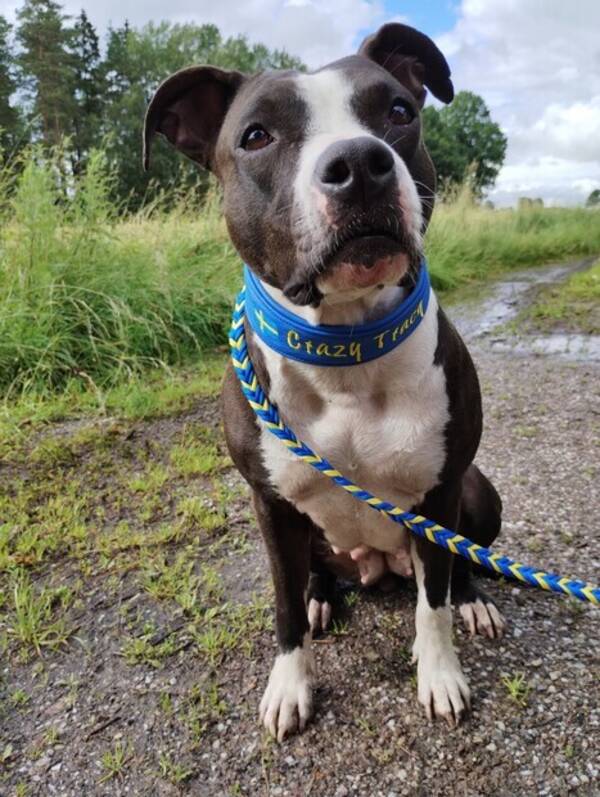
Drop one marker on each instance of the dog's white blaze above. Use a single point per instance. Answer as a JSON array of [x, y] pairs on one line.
[[441, 683], [287, 702], [328, 96], [380, 423]]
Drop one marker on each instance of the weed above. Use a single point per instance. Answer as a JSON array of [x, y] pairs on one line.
[[32, 619], [173, 772], [365, 726], [175, 581], [151, 480], [195, 459], [141, 650], [6, 753], [204, 705], [517, 687], [195, 513], [20, 698], [165, 702], [114, 761], [340, 627]]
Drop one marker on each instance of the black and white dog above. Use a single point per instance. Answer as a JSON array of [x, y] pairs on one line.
[[328, 190]]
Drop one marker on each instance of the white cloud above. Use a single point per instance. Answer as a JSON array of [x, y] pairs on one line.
[[316, 30], [558, 181], [537, 64]]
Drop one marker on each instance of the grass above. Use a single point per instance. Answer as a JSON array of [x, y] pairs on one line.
[[89, 297], [467, 242], [36, 618], [95, 307], [517, 687], [572, 306], [115, 760]]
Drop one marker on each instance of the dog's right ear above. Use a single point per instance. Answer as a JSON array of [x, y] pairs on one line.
[[188, 108]]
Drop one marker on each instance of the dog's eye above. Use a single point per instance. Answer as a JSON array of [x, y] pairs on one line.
[[256, 137], [401, 113]]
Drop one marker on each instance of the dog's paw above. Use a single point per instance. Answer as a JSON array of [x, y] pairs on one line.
[[442, 687], [319, 615], [286, 705], [482, 617]]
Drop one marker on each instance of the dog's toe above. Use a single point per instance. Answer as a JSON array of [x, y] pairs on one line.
[[482, 617], [443, 690], [319, 615], [286, 705]]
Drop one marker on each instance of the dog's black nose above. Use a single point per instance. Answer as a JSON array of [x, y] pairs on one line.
[[355, 170]]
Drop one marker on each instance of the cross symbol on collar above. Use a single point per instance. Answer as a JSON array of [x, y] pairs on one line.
[[264, 324]]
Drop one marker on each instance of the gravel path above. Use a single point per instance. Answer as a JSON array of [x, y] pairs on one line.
[[535, 725]]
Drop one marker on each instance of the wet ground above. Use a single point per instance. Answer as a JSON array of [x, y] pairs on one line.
[[136, 634], [485, 319]]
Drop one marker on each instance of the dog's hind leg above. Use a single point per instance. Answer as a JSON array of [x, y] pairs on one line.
[[326, 566], [321, 584], [480, 520]]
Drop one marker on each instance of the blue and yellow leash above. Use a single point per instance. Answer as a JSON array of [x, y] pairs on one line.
[[421, 526]]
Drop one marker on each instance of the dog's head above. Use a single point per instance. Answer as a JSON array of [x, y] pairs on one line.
[[327, 184]]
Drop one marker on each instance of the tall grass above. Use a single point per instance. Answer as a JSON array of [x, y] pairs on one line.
[[90, 296], [85, 295], [468, 242]]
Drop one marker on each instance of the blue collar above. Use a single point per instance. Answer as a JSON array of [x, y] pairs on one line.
[[329, 344]]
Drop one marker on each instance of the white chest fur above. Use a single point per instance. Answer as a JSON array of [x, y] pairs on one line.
[[380, 423]]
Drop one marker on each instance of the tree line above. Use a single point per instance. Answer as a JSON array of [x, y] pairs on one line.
[[60, 89]]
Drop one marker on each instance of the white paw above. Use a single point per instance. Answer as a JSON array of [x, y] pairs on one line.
[[319, 615], [483, 618], [442, 687], [286, 705]]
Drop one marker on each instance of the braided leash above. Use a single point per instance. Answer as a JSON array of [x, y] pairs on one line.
[[455, 543]]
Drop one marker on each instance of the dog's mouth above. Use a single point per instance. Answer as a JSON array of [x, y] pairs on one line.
[[362, 255]]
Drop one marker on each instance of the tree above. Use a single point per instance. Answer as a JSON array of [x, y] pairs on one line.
[[593, 201], [462, 136], [87, 89], [9, 115], [136, 62], [46, 67]]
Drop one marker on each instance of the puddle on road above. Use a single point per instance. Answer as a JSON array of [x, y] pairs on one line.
[[477, 318], [573, 347]]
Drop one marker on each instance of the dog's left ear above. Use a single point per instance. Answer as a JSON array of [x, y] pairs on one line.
[[412, 58]]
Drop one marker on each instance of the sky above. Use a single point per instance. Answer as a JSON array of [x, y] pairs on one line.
[[535, 62]]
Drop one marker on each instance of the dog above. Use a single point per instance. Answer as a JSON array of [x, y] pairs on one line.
[[327, 192]]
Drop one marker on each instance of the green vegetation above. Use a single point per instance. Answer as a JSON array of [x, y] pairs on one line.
[[90, 301], [517, 687], [114, 761], [572, 306], [61, 86], [593, 200], [464, 142], [85, 297], [467, 242]]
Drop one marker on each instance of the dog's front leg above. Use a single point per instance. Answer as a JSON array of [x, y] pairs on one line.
[[287, 702], [442, 687]]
